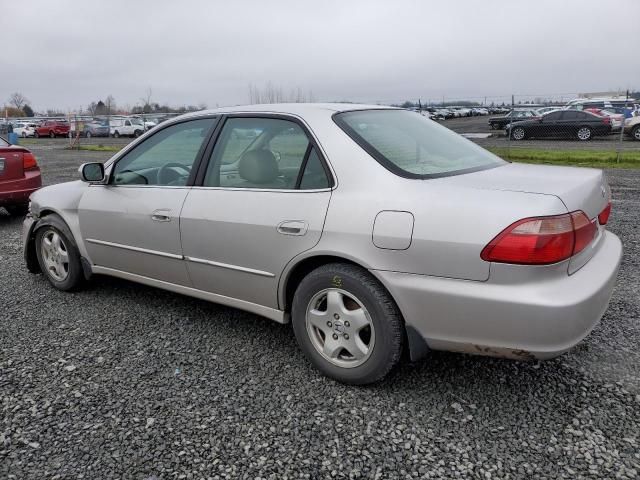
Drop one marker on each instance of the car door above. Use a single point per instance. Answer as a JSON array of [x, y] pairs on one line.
[[261, 201], [568, 124], [132, 223]]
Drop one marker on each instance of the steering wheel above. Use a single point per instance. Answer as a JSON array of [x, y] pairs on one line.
[[166, 175]]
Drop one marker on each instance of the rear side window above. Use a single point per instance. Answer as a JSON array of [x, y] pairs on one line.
[[570, 115], [264, 153], [314, 175], [412, 146]]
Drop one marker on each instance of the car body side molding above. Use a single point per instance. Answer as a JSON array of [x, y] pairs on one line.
[[271, 313]]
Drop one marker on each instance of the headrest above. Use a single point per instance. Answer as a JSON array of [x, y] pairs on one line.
[[258, 166]]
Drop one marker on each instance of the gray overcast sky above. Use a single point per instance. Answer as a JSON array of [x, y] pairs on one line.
[[66, 54]]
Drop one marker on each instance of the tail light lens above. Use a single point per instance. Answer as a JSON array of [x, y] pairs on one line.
[[541, 240], [603, 217], [29, 161], [606, 120]]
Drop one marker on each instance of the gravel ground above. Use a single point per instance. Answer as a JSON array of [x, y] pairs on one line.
[[125, 381]]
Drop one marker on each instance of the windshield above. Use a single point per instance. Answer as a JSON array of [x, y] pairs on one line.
[[413, 146]]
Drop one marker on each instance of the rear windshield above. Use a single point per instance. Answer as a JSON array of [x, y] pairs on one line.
[[413, 146]]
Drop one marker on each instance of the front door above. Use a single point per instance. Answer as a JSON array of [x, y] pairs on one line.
[[262, 201], [132, 223]]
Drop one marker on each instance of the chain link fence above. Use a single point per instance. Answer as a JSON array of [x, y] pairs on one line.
[[575, 128]]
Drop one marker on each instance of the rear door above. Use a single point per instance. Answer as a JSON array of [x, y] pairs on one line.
[[262, 200]]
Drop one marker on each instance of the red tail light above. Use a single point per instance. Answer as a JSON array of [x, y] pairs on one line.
[[29, 161], [606, 120], [541, 240], [603, 217]]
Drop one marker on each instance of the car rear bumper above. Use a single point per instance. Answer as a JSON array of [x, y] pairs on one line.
[[17, 191], [537, 319]]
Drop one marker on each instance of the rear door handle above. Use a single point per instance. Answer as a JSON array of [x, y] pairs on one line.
[[293, 227], [161, 216]]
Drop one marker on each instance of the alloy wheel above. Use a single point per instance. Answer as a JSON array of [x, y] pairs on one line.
[[584, 133], [340, 328], [518, 133], [55, 255]]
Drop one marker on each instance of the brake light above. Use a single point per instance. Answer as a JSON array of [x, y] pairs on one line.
[[603, 217], [541, 240], [29, 161], [606, 120]]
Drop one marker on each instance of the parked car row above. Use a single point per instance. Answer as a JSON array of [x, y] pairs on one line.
[[580, 119]]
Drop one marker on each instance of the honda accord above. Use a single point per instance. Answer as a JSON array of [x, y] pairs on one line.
[[371, 230]]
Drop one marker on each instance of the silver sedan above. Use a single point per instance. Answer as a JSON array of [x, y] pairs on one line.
[[372, 230]]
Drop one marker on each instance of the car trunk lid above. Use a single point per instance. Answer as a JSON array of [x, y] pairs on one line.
[[11, 162], [584, 189]]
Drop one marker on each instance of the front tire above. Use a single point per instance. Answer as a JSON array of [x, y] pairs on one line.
[[88, 135], [58, 254], [52, 134], [635, 133], [347, 324], [518, 133]]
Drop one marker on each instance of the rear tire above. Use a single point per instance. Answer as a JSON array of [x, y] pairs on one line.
[[58, 254], [52, 134], [36, 135], [88, 135], [116, 134], [347, 324], [584, 134], [635, 133]]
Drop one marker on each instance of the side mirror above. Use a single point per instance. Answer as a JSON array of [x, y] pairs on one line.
[[92, 172]]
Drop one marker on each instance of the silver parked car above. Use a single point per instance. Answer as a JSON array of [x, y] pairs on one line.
[[370, 229]]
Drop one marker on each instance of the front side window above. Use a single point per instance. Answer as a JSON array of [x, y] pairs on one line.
[[413, 146], [165, 158], [265, 153]]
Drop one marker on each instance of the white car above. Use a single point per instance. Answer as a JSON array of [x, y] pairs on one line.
[[126, 127], [25, 130]]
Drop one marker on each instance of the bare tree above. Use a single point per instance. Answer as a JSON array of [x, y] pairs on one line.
[[271, 93], [18, 100], [92, 108], [110, 104], [146, 100]]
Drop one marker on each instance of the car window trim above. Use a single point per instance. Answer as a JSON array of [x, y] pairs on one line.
[[196, 163], [206, 158], [303, 166]]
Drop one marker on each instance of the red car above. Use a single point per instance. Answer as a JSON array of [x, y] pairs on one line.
[[19, 177], [53, 128]]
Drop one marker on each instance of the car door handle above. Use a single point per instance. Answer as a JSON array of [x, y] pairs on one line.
[[161, 216], [292, 227]]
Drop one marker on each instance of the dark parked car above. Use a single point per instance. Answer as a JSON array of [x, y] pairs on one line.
[[498, 123], [19, 177], [561, 123]]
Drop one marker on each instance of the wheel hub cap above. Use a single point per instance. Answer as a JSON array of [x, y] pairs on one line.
[[55, 255], [340, 328]]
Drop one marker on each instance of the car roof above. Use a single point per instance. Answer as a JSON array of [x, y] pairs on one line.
[[299, 109]]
